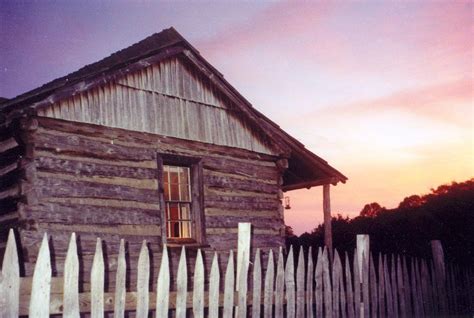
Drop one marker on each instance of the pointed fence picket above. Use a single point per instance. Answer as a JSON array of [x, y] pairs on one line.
[[388, 286]]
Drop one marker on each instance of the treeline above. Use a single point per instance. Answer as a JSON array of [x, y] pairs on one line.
[[446, 214]]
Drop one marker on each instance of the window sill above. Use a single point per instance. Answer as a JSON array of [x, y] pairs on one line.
[[188, 245]]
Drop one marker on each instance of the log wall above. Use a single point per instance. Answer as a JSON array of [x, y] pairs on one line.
[[100, 181], [169, 98]]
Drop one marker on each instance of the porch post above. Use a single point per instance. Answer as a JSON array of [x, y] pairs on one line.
[[327, 219]]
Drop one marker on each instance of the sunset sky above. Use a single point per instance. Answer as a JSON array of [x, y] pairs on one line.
[[382, 90]]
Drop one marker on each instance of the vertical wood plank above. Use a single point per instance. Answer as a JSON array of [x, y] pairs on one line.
[[257, 285], [310, 285], [357, 298], [381, 287], [71, 281], [393, 274], [349, 290], [229, 287], [300, 285], [290, 284], [97, 282], [182, 285], [440, 275], [373, 288], [401, 289], [198, 287], [327, 284], [10, 280], [163, 286], [41, 285], [336, 278], [269, 283], [365, 286], [388, 287], [143, 281], [406, 287], [342, 297], [420, 292], [318, 277], [279, 285], [327, 218], [241, 310], [414, 290], [119, 306], [214, 280]]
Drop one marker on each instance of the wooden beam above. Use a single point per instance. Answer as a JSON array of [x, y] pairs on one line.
[[327, 219], [309, 184]]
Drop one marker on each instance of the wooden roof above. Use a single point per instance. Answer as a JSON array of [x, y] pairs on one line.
[[305, 168]]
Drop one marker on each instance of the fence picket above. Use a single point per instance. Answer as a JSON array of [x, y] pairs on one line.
[[373, 288], [419, 292], [214, 280], [143, 282], [309, 285], [388, 288], [400, 287], [300, 295], [257, 285], [198, 287], [41, 285], [357, 294], [342, 292], [336, 277], [229, 287], [279, 285], [318, 277], [182, 285], [365, 284], [71, 281], [290, 284], [425, 285], [393, 274], [97, 282], [242, 307], [414, 291], [327, 283], [163, 286], [349, 291], [269, 283], [406, 287], [381, 289], [10, 280], [119, 308]]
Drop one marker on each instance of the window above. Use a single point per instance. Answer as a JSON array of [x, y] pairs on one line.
[[177, 192], [180, 180]]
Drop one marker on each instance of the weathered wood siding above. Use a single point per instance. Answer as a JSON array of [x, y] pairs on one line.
[[100, 181], [170, 99]]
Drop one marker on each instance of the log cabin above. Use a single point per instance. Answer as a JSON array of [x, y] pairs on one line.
[[149, 143]]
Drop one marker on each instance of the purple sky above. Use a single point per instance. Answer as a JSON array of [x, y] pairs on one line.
[[382, 90]]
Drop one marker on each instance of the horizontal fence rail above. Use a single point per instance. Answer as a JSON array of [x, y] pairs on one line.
[[293, 285]]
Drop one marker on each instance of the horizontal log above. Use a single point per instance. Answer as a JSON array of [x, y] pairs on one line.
[[7, 144], [150, 184], [234, 167], [145, 164], [243, 213], [230, 222], [11, 156], [102, 202], [218, 203], [90, 214], [228, 182], [232, 230], [48, 187], [143, 139], [8, 168], [78, 145], [92, 169], [230, 192], [117, 229], [12, 192]]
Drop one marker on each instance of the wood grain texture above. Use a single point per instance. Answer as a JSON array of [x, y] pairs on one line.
[[229, 287], [214, 282], [71, 281], [290, 284], [279, 285], [182, 285], [120, 292], [269, 283], [163, 286], [300, 285], [198, 287], [10, 280], [97, 282], [41, 285], [143, 281], [310, 285], [257, 285]]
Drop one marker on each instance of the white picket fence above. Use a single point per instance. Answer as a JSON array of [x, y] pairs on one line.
[[317, 289]]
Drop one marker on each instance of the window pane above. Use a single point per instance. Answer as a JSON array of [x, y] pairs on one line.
[[173, 211]]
